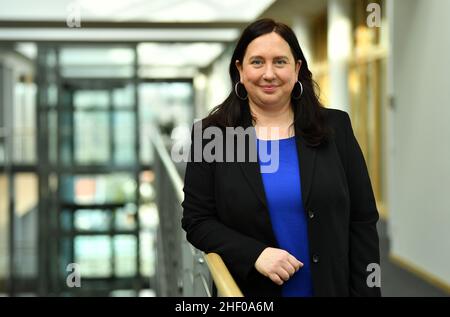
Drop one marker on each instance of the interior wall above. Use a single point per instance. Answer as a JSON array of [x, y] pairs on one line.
[[419, 194]]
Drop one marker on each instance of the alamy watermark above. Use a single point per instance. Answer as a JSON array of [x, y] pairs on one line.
[[235, 144], [374, 278], [74, 277], [374, 18], [73, 19]]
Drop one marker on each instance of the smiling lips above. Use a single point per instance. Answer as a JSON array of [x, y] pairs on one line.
[[269, 88]]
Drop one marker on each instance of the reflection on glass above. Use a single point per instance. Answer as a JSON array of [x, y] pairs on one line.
[[93, 254], [85, 99], [48, 96], [124, 138], [165, 105], [26, 223], [147, 253], [92, 220], [98, 189], [24, 122], [52, 136], [98, 71], [66, 136], [66, 245], [26, 193], [125, 255], [91, 56], [148, 216], [52, 95], [66, 220], [125, 218], [66, 98], [97, 62], [146, 187], [51, 58], [91, 137], [123, 97]]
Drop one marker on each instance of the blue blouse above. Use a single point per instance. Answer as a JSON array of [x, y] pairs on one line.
[[284, 199]]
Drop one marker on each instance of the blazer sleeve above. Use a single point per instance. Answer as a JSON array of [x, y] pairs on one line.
[[205, 231], [364, 242]]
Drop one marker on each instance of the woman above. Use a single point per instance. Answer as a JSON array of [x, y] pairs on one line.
[[308, 226]]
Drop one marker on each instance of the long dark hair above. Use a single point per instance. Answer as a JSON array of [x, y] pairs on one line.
[[308, 115]]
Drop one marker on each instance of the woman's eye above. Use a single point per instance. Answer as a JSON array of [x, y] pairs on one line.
[[256, 62], [280, 62]]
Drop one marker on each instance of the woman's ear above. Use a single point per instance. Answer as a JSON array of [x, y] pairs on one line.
[[298, 65], [239, 67]]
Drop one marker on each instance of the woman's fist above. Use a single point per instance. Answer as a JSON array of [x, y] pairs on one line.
[[277, 264]]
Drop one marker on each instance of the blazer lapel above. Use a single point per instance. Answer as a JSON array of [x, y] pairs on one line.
[[251, 170], [252, 173], [306, 157]]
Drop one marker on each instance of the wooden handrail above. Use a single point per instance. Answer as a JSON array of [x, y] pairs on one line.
[[226, 286]]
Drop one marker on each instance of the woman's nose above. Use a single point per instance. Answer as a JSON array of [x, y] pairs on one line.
[[268, 73]]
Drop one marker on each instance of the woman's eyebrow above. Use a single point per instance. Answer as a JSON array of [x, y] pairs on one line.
[[276, 57]]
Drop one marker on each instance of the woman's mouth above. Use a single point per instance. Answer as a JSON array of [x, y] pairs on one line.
[[269, 88]]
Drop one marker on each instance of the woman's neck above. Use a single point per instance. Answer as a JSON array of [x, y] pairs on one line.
[[273, 123]]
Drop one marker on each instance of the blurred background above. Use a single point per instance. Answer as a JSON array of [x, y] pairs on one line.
[[92, 94]]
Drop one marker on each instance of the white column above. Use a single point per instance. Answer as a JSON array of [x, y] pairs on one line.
[[339, 50], [301, 27]]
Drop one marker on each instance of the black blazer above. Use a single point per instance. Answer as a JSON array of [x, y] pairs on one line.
[[225, 211]]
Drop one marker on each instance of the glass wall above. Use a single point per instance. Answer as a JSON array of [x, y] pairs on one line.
[[18, 178], [24, 126], [95, 124], [25, 230], [76, 167], [165, 106]]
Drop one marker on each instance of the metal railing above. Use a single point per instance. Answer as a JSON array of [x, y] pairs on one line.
[[181, 269]]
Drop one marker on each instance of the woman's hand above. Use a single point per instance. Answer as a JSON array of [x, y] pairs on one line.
[[277, 264]]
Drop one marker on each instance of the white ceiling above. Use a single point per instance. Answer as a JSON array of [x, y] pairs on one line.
[[176, 54], [149, 54], [203, 45], [134, 10], [30, 34]]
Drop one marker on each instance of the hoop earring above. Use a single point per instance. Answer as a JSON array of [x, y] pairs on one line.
[[236, 91], [301, 91]]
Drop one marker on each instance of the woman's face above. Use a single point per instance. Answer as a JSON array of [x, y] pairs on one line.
[[268, 70]]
